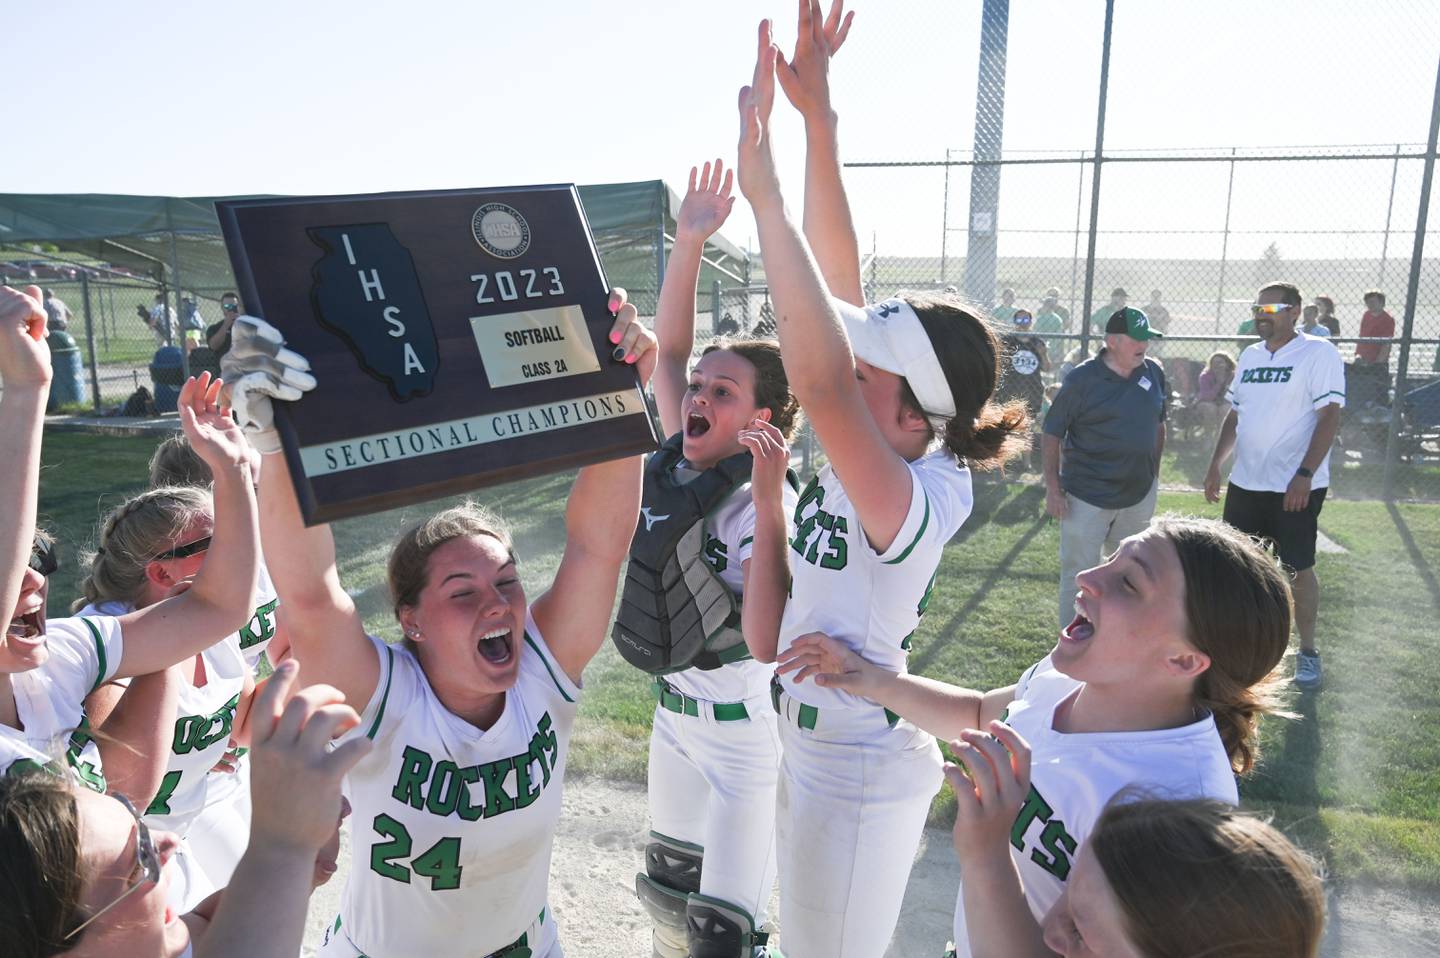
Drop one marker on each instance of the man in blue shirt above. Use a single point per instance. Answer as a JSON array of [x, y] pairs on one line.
[[1103, 438]]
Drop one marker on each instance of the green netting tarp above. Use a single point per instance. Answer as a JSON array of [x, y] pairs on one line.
[[177, 239]]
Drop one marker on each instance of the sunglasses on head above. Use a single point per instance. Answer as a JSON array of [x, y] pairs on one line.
[[147, 866], [188, 549], [1269, 309], [42, 557]]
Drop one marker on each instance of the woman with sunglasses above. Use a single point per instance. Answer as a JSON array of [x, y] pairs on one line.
[[85, 876], [151, 547], [48, 667]]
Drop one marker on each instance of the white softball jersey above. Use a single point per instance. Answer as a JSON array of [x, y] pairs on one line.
[[872, 601], [221, 832], [452, 826], [204, 720], [1073, 776], [1277, 397], [729, 540], [84, 654]]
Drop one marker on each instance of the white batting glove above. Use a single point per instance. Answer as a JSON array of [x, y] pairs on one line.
[[257, 369]]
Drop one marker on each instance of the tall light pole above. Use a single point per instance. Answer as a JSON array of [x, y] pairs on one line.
[[980, 255]]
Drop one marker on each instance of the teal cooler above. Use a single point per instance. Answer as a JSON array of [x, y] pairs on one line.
[[67, 385], [167, 373]]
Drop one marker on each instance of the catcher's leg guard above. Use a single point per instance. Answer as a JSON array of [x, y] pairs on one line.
[[718, 929], [672, 872]]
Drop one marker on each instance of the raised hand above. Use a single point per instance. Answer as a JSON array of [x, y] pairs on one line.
[[772, 458], [24, 357], [707, 203], [756, 166], [998, 767], [216, 437], [832, 664], [259, 369], [805, 78], [290, 756], [634, 343]]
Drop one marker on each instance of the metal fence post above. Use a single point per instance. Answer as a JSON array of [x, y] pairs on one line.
[[179, 320], [1075, 250], [1392, 447], [90, 338], [945, 218], [1389, 211], [1095, 179], [1225, 243]]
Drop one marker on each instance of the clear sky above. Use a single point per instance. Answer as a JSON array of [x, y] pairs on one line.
[[308, 96]]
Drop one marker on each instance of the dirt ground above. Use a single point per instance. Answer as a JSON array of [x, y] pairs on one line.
[[604, 829]]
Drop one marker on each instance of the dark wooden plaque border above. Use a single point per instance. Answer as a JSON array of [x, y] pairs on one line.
[[525, 456]]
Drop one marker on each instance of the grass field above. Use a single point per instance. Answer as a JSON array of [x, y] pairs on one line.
[[1356, 776]]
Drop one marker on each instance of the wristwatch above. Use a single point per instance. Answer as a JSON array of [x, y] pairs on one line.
[[1302, 471]]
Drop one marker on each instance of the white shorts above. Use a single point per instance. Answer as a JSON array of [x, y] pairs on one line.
[[853, 798]]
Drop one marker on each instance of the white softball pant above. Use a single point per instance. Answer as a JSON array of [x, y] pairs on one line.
[[712, 784], [853, 797]]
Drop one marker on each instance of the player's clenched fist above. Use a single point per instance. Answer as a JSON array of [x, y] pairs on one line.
[[294, 775], [24, 357]]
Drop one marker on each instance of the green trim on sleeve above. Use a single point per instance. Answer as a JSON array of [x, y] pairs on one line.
[[924, 524], [746, 541], [99, 653], [384, 697], [1333, 392], [546, 662]]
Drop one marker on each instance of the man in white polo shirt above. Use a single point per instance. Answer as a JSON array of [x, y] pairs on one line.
[[1285, 409]]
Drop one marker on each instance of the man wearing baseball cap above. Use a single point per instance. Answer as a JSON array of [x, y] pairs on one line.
[[1101, 449]]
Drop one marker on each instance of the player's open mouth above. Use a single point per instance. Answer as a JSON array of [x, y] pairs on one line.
[[495, 646], [1078, 630], [25, 629], [696, 425]]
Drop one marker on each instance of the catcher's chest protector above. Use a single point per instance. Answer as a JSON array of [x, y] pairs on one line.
[[675, 612]]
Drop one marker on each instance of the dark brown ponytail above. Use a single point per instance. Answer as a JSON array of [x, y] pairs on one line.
[[1238, 611], [982, 434]]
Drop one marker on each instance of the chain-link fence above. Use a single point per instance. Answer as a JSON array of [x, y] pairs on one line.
[[1188, 234]]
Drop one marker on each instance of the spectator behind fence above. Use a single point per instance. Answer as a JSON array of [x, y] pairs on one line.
[[1215, 382], [217, 336], [1025, 360], [1286, 398], [160, 319], [1103, 438], [1101, 317], [1378, 323], [57, 314], [1327, 315], [1005, 311], [1310, 323], [1052, 318]]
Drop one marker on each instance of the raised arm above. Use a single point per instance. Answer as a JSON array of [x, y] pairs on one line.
[[939, 708], [138, 724], [574, 613], [767, 571], [813, 342], [25, 376], [805, 79], [706, 205], [221, 599], [994, 782], [324, 629]]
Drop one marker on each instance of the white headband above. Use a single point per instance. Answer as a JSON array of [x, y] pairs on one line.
[[889, 335]]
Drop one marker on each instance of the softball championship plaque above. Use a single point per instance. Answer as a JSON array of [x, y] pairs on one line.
[[459, 338]]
